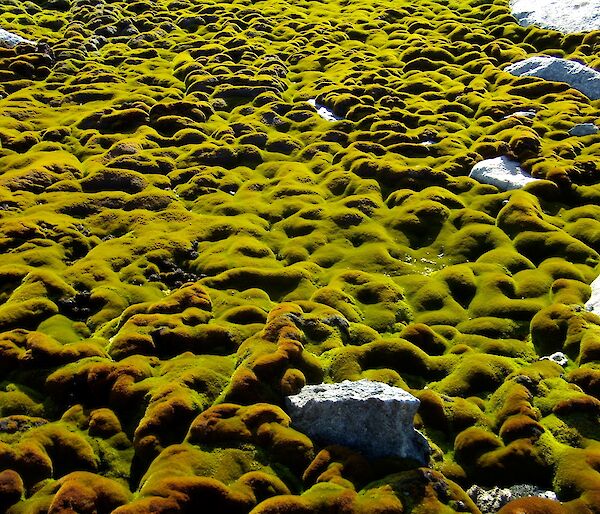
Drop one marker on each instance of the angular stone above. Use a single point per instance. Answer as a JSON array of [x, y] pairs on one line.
[[577, 75], [369, 416], [502, 173], [584, 129]]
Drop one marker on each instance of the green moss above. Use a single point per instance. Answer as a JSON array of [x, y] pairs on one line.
[[475, 374], [472, 241], [181, 229]]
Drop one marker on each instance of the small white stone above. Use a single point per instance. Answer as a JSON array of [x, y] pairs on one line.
[[10, 40], [502, 173], [521, 114], [489, 500], [577, 75], [560, 15], [584, 129], [323, 111]]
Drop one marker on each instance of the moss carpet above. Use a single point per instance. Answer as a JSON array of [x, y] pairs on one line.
[[184, 241]]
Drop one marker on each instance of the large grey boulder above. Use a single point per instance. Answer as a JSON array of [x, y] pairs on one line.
[[372, 417], [501, 172], [577, 75], [593, 304], [566, 17], [10, 40]]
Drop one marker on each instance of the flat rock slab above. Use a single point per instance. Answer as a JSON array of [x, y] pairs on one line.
[[577, 75], [369, 416], [566, 17], [501, 172], [593, 304], [10, 40]]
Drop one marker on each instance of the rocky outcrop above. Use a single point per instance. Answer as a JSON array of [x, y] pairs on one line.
[[558, 14], [372, 417], [577, 75], [501, 172]]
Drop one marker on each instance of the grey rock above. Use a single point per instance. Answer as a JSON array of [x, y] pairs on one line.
[[584, 129], [566, 17], [527, 490], [559, 357], [10, 40], [593, 304], [491, 500], [369, 416], [501, 172], [577, 75]]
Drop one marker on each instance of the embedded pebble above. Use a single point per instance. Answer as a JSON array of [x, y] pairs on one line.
[[501, 172], [559, 357], [522, 114]]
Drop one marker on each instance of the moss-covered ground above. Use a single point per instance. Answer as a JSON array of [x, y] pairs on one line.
[[184, 241]]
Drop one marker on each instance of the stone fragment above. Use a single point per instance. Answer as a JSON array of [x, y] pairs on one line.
[[566, 17], [584, 129], [10, 40], [369, 416], [577, 75], [521, 114], [501, 172], [491, 500], [559, 357], [593, 304], [323, 111]]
